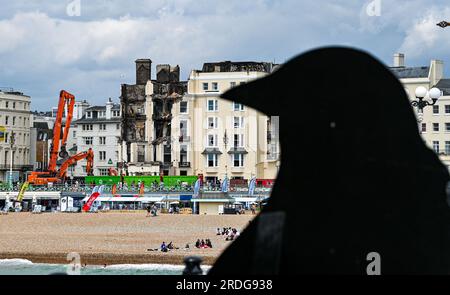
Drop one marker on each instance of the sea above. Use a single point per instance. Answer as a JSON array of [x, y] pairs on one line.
[[26, 267]]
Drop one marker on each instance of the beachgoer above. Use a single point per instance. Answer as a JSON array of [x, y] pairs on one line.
[[208, 243], [163, 247], [218, 232], [148, 211], [197, 244]]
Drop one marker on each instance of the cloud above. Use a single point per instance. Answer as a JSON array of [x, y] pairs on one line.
[[44, 50]]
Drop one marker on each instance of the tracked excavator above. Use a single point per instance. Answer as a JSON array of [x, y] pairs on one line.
[[53, 174]]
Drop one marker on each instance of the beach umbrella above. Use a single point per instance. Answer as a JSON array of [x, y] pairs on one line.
[[141, 189], [114, 189]]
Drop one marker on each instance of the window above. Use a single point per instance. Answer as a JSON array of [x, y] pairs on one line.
[[6, 120], [238, 122], [102, 127], [205, 86], [102, 171], [102, 155], [101, 114], [435, 109], [6, 137], [87, 127], [14, 105], [232, 84], [424, 127], [447, 109], [88, 140], [238, 140], [212, 140], [435, 127], [212, 105], [238, 106], [88, 114], [436, 146], [215, 86], [212, 122], [116, 113], [74, 134], [211, 160], [183, 128], [447, 147], [7, 104], [238, 160], [447, 127], [102, 140], [117, 126], [14, 121], [183, 107]]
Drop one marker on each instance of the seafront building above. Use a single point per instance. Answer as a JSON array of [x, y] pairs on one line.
[[98, 128], [227, 139], [15, 123], [433, 121]]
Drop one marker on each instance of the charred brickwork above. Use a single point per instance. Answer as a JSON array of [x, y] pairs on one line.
[[167, 90], [147, 116], [133, 100]]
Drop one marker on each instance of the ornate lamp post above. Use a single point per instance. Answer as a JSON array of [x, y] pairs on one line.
[[443, 24], [225, 143], [421, 92], [12, 142]]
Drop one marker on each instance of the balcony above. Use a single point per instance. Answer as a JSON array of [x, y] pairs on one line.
[[185, 164], [16, 167]]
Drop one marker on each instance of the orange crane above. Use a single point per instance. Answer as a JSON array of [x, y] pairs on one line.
[[52, 174]]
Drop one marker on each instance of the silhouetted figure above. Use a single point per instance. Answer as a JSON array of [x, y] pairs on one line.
[[355, 175]]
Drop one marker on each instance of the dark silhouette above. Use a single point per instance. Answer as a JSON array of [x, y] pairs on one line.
[[355, 175]]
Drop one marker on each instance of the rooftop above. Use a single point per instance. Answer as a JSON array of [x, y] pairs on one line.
[[411, 72], [241, 66], [444, 85]]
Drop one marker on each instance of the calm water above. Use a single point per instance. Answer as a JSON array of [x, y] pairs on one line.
[[26, 267]]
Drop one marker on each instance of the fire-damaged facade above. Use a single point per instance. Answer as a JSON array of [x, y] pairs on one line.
[[146, 119]]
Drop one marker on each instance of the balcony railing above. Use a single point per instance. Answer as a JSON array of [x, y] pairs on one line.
[[16, 167], [185, 164]]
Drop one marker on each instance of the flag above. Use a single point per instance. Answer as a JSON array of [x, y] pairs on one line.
[[225, 185], [251, 186], [196, 187], [94, 195], [141, 189], [22, 191]]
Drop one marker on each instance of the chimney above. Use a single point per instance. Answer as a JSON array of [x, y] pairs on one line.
[[143, 71], [399, 60], [109, 106]]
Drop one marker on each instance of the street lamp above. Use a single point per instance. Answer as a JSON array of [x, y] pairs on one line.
[[12, 140], [421, 92], [225, 143]]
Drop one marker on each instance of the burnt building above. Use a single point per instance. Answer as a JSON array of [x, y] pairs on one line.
[[146, 119]]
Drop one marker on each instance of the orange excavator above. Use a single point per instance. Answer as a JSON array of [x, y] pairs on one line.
[[53, 174]]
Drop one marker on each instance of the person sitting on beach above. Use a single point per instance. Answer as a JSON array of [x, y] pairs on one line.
[[186, 248], [218, 232], [197, 244], [170, 246], [208, 243], [148, 211], [202, 244], [163, 247]]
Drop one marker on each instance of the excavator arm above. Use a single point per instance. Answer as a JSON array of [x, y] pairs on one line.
[[65, 98], [88, 155]]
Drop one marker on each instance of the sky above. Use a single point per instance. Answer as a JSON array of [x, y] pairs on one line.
[[88, 47]]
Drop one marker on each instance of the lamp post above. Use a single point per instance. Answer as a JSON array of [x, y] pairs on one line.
[[443, 24], [421, 102], [12, 140], [225, 143]]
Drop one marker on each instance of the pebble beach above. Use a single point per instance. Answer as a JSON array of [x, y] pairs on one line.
[[112, 238]]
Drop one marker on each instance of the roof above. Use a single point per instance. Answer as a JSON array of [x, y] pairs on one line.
[[410, 72], [241, 66], [444, 85], [98, 120]]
